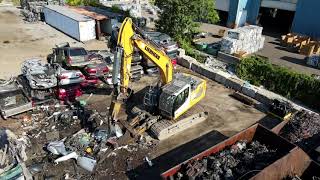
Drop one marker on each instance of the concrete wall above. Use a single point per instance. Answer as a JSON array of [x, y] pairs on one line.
[[289, 5], [306, 20], [222, 5], [241, 11]]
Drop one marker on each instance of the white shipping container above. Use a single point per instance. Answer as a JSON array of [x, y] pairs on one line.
[[75, 25]]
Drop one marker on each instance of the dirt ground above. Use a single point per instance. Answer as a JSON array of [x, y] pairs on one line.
[[226, 116], [20, 40], [272, 49]]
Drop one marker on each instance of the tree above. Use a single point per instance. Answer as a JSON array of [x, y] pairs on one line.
[[179, 18]]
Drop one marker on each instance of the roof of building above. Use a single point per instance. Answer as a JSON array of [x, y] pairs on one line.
[[105, 12], [66, 12], [93, 15]]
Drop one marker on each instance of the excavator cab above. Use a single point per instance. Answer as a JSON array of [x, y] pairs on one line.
[[180, 95]]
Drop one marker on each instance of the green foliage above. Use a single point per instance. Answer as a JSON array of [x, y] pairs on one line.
[[116, 9], [186, 45], [95, 3], [301, 87], [178, 17]]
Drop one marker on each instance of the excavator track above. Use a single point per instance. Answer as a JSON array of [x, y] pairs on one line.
[[166, 128]]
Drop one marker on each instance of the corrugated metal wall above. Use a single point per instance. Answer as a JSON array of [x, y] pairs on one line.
[[306, 20], [253, 11], [63, 23], [233, 11]]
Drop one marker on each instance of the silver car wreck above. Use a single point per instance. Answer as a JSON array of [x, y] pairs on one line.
[[39, 75], [46, 76]]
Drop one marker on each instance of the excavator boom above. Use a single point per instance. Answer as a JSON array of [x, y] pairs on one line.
[[129, 37], [127, 40]]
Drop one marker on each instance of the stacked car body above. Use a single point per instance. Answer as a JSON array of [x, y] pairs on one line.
[[45, 79]]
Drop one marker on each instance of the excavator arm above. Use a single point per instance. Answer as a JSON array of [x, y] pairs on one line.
[[129, 37]]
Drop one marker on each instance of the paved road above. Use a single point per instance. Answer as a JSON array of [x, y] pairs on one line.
[[277, 54]]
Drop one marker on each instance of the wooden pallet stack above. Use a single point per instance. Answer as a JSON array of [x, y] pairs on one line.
[[301, 44], [304, 46]]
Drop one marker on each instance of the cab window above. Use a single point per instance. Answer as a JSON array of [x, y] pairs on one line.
[[181, 99]]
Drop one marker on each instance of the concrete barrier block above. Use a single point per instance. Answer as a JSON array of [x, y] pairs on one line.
[[267, 97], [228, 58], [234, 83], [184, 62], [181, 52], [204, 70], [208, 72], [249, 91], [221, 77], [196, 67]]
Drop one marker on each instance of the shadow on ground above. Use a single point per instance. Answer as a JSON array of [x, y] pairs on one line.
[[294, 60]]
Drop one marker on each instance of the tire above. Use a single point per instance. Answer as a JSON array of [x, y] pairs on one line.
[[50, 58]]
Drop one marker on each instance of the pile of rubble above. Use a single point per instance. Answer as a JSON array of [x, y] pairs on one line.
[[70, 141], [13, 156], [247, 39], [32, 9], [215, 64], [302, 126], [241, 161]]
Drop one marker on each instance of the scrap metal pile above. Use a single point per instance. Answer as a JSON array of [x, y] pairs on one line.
[[32, 9], [39, 75], [247, 39], [301, 127], [240, 161], [12, 155]]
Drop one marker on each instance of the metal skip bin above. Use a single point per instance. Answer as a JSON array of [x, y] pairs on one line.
[[289, 158]]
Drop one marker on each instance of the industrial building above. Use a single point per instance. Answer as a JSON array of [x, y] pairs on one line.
[[276, 16]]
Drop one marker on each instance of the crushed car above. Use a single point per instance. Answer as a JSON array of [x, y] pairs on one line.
[[165, 42], [68, 92], [39, 75], [13, 99], [45, 76], [42, 79], [107, 58]]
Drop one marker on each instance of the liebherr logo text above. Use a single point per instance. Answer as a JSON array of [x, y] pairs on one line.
[[152, 52]]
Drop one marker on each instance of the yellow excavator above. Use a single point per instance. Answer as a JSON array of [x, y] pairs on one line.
[[172, 97]]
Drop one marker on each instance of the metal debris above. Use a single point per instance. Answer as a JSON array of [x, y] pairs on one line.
[[240, 161], [215, 64], [302, 126], [13, 154]]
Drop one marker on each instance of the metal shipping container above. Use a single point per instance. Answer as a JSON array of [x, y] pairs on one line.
[[286, 152], [73, 24]]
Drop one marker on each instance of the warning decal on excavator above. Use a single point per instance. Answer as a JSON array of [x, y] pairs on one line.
[[152, 52]]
